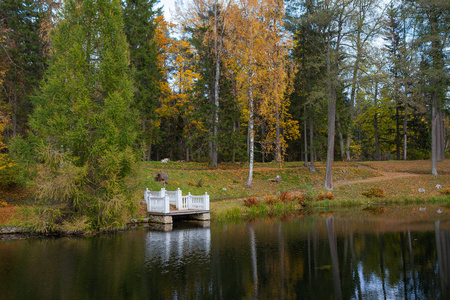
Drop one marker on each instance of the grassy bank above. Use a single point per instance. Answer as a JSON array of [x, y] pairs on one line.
[[403, 183], [400, 182], [228, 181]]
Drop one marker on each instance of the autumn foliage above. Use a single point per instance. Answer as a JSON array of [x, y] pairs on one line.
[[251, 201], [327, 195], [375, 192]]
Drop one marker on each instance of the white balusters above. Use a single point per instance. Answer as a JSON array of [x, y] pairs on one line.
[[160, 201]]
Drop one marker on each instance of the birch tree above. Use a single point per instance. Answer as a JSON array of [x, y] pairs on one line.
[[246, 41]]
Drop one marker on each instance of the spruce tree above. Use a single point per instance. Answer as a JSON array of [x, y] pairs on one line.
[[433, 18], [140, 26], [83, 116], [22, 55]]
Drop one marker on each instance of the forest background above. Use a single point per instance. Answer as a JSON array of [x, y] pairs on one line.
[[91, 87]]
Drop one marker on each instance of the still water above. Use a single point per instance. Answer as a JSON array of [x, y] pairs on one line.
[[321, 257]]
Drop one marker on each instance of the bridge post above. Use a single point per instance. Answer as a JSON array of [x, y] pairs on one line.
[[206, 197]]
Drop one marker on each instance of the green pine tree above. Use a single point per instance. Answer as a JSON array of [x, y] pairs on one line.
[[83, 115], [22, 55], [140, 26]]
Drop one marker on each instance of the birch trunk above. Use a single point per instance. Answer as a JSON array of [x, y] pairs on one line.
[[250, 129], [216, 93]]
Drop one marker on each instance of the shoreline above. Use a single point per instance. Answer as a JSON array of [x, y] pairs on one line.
[[414, 210]]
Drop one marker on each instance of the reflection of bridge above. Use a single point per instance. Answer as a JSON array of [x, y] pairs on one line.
[[175, 245]]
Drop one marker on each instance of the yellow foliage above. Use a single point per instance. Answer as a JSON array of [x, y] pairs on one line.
[[177, 100], [257, 49]]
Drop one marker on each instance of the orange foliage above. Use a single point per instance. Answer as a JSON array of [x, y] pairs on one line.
[[327, 195], [270, 200], [6, 214], [252, 201]]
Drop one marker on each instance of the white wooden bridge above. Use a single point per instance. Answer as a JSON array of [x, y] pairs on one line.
[[163, 205]]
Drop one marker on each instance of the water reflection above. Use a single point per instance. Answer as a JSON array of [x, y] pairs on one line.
[[443, 254], [174, 246], [308, 258]]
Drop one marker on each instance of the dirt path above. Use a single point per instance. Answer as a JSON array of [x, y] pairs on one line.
[[386, 176]]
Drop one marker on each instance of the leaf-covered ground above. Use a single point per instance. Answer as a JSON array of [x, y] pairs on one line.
[[228, 181], [401, 181]]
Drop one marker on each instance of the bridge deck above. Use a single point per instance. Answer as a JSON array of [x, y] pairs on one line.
[[180, 212]]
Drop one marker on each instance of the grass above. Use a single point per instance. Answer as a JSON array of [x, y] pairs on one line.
[[228, 181], [414, 167], [399, 190], [226, 187]]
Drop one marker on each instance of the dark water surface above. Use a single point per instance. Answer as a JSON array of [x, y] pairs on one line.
[[305, 258]]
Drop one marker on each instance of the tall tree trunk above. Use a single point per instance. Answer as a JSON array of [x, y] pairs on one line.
[[352, 99], [375, 124], [434, 137], [331, 118], [215, 142], [405, 131], [233, 159], [278, 137], [15, 107], [440, 144], [341, 138], [397, 136], [438, 90], [377, 138], [348, 156], [143, 144], [251, 133], [250, 128], [304, 107], [312, 168], [277, 113], [263, 133], [305, 138]]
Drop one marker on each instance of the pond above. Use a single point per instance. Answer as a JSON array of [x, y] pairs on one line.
[[367, 255]]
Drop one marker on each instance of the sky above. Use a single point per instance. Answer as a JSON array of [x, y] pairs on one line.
[[168, 8]]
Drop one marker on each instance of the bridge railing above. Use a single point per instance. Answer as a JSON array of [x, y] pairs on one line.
[[160, 201]]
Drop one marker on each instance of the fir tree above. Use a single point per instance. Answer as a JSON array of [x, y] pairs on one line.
[[22, 53], [83, 114], [140, 25]]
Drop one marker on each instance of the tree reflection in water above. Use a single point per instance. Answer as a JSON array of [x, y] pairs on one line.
[[443, 254], [307, 258]]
